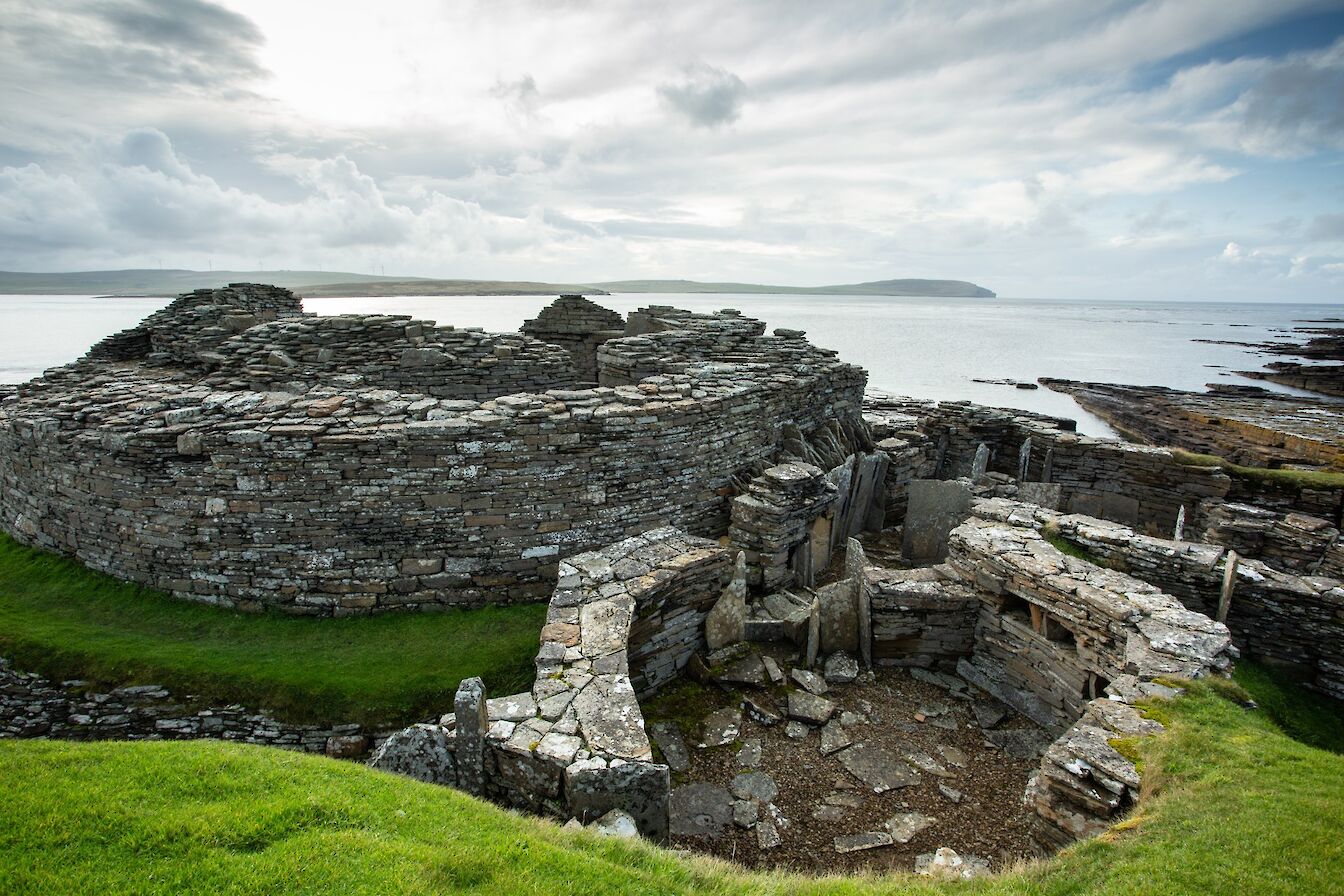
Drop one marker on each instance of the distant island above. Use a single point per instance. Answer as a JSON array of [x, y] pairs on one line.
[[332, 284], [932, 288]]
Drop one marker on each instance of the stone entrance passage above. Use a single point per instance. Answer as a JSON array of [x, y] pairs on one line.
[[902, 763]]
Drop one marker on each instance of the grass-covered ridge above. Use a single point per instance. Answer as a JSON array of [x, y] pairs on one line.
[[65, 621], [1235, 807], [1316, 479]]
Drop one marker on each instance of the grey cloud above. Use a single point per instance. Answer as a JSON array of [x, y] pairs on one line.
[[150, 44], [1300, 100], [1325, 228], [521, 96], [706, 95]]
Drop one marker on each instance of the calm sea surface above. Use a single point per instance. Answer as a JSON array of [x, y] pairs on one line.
[[931, 348]]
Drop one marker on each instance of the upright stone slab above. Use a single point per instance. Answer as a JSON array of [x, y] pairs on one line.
[[980, 465], [936, 507], [1024, 460], [472, 723], [423, 752], [839, 622], [726, 622], [855, 561], [1043, 494]]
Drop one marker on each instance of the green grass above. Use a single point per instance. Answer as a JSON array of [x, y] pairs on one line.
[[64, 621], [1304, 715], [1232, 806], [1314, 479]]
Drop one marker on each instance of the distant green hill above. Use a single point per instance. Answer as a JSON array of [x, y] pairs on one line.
[[155, 282], [424, 287], [935, 288], [161, 282]]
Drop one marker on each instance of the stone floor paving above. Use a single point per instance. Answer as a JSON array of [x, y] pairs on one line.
[[875, 774]]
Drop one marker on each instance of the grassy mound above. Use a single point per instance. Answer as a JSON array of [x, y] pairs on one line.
[[62, 620], [1237, 807]]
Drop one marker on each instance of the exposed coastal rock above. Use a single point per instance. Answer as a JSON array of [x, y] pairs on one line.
[[1325, 344], [1244, 424]]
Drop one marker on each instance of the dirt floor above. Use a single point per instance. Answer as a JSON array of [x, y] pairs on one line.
[[988, 821]]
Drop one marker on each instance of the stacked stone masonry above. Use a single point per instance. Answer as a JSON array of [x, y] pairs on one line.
[[1132, 484], [33, 706], [622, 621], [579, 326], [1274, 616], [1070, 644], [339, 496]]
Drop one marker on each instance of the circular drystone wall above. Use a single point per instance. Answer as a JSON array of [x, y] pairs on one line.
[[235, 451]]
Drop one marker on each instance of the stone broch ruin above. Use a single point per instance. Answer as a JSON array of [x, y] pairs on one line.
[[679, 487]]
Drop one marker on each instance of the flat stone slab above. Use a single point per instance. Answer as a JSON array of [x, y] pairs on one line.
[[866, 840], [762, 709], [722, 727], [750, 670], [841, 668], [746, 813], [834, 738], [767, 835], [750, 754], [1019, 743], [904, 826], [669, 740], [809, 681], [878, 769], [810, 708], [700, 810], [989, 713], [757, 786], [830, 813]]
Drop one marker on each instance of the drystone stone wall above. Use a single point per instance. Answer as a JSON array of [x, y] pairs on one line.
[[1132, 484], [343, 497], [923, 618], [34, 706], [579, 326], [1055, 631], [387, 352], [197, 322], [622, 621], [1291, 542], [1274, 616], [1069, 644]]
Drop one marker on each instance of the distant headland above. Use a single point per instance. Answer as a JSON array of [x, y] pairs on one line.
[[316, 284]]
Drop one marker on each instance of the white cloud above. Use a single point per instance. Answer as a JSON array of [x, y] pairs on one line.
[[1022, 144]]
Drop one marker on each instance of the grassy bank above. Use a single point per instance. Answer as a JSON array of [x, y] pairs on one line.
[[1235, 806], [1315, 479], [64, 621]]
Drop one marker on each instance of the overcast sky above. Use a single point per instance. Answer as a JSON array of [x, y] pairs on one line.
[[1191, 149]]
